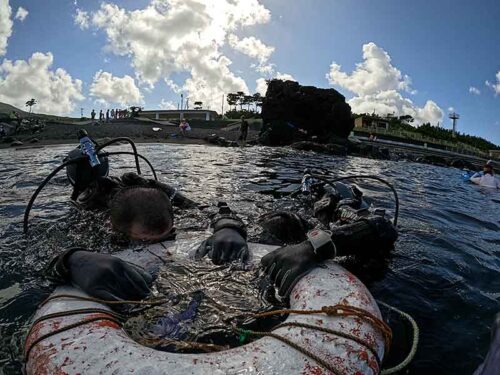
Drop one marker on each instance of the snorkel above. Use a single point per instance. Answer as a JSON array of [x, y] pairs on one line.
[[84, 164]]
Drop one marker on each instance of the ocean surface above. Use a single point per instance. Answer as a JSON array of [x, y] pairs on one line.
[[444, 270]]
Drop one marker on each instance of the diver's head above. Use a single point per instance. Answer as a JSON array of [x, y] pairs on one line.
[[488, 168], [142, 213]]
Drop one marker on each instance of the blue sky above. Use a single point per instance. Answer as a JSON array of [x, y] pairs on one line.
[[416, 57]]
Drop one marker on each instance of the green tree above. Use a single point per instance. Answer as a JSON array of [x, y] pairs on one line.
[[232, 100], [30, 103], [241, 99], [257, 99], [247, 100]]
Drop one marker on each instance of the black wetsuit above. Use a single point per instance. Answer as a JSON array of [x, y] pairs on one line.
[[99, 194]]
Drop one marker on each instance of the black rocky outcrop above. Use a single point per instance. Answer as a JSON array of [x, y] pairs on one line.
[[291, 112]]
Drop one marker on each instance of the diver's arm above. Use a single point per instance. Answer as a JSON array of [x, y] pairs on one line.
[[101, 276], [99, 193], [365, 238], [476, 179]]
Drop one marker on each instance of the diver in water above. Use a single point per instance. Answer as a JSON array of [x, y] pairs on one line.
[[145, 213], [141, 209], [94, 189], [487, 178]]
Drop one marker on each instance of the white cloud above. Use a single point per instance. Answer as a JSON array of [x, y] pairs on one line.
[[55, 91], [392, 102], [261, 86], [373, 75], [5, 25], [82, 19], [451, 109], [474, 90], [495, 86], [181, 36], [251, 47], [378, 86], [108, 89], [21, 14], [167, 104], [267, 69]]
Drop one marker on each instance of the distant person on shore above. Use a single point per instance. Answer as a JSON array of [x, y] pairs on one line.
[[107, 115], [2, 132], [487, 179], [92, 115], [18, 120], [101, 115], [112, 113], [184, 127], [243, 131]]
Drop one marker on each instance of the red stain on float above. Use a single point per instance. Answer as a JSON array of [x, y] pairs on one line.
[[351, 279], [107, 323], [41, 362], [312, 370]]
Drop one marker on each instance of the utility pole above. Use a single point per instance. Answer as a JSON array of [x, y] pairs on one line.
[[454, 117], [187, 103], [81, 112], [182, 101], [222, 109]]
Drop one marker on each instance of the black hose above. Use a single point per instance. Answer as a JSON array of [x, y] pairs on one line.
[[131, 153], [42, 185], [125, 139], [368, 177]]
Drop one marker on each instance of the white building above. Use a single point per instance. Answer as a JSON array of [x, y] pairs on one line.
[[177, 115]]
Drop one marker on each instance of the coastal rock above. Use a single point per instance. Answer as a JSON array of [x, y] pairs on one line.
[[433, 159], [16, 143], [289, 110], [331, 149], [460, 163], [34, 140], [220, 141], [371, 151]]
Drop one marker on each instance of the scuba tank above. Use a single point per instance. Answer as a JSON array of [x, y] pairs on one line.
[[88, 147], [82, 173]]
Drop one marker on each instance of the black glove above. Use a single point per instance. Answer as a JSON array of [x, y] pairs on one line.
[[287, 265], [228, 242], [225, 245], [107, 277]]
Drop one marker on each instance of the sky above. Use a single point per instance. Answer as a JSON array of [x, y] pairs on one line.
[[421, 58]]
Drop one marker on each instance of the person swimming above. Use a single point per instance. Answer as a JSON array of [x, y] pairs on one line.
[[487, 179]]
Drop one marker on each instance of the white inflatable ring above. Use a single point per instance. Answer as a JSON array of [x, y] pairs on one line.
[[102, 347]]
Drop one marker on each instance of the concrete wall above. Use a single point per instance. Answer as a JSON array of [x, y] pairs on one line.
[[178, 115]]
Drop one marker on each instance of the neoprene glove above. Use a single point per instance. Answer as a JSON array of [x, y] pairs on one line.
[[107, 277], [225, 245], [287, 265], [229, 241]]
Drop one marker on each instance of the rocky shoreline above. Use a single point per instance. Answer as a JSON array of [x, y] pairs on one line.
[[138, 131]]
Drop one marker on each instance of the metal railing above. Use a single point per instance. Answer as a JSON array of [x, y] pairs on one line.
[[457, 147]]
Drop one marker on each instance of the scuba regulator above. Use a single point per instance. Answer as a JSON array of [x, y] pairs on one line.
[[85, 164]]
